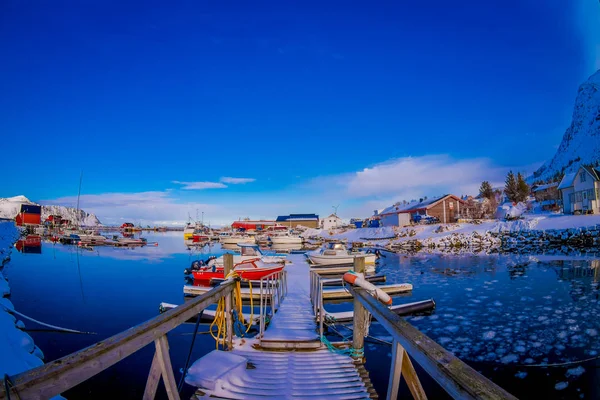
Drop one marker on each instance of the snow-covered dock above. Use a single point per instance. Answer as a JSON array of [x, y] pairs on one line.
[[278, 369]]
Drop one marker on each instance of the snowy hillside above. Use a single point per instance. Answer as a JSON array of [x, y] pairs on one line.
[[10, 206], [581, 142]]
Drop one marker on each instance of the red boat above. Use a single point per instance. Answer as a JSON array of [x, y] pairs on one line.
[[252, 270], [199, 238]]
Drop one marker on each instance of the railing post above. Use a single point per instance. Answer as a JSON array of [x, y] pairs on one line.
[[395, 370], [227, 268], [360, 313]]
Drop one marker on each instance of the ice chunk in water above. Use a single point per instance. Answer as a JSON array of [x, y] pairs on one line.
[[452, 328], [497, 303], [575, 371], [444, 340], [489, 335], [521, 375], [520, 349], [509, 359], [561, 385], [591, 332]]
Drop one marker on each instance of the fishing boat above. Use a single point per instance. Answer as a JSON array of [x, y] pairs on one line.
[[200, 238], [236, 238], [188, 232], [336, 253], [249, 251], [285, 238], [252, 270]]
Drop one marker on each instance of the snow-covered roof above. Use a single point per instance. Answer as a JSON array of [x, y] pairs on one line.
[[567, 180], [544, 187], [413, 205]]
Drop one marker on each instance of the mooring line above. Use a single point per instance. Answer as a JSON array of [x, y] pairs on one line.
[[58, 328]]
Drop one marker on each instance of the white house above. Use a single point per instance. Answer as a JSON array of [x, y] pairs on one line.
[[580, 191], [333, 221]]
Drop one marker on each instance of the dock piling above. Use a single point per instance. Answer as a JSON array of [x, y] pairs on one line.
[[227, 268], [360, 314]]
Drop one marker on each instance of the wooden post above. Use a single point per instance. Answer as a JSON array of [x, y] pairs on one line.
[[360, 313], [227, 268], [412, 380], [395, 370], [162, 352], [153, 378]]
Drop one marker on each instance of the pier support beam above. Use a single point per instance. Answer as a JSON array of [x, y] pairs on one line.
[[227, 268], [360, 313]]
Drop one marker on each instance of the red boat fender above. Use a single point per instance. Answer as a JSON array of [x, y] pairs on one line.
[[358, 280]]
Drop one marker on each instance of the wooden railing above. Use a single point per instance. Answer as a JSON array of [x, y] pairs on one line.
[[458, 379], [60, 375]]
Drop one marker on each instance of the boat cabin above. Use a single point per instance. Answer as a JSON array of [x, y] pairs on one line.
[[249, 250], [335, 246]]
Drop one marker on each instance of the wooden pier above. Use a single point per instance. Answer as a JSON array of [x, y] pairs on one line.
[[289, 358]]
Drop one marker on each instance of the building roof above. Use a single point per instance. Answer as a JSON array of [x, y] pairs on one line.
[[298, 217], [333, 216], [544, 187], [567, 180], [415, 205], [592, 171]]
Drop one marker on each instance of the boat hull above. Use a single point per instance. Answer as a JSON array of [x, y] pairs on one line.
[[286, 240], [236, 240], [319, 259], [250, 273]]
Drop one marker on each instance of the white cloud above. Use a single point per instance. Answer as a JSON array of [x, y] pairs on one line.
[[200, 185], [357, 193], [409, 178], [236, 181]]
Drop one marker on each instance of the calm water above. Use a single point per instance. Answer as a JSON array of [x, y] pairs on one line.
[[502, 314]]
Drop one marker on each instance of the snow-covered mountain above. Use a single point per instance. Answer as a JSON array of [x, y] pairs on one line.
[[581, 142], [10, 206]]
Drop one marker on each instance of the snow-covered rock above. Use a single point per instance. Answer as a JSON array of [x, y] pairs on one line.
[[581, 141], [10, 206]]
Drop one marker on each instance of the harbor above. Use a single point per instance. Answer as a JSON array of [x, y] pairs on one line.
[[483, 302]]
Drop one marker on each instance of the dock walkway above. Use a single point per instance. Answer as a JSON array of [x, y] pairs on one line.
[[279, 368]]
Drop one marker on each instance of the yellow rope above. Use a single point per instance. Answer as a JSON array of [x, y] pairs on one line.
[[220, 320]]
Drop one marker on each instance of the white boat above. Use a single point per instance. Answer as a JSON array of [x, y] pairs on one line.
[[337, 253], [235, 239], [92, 238], [285, 238], [188, 232], [252, 251]]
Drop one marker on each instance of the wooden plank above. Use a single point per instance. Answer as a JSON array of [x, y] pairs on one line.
[[60, 375], [153, 379], [458, 379], [395, 371], [164, 360], [412, 380]]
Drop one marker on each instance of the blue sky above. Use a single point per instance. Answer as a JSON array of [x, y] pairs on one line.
[[309, 104]]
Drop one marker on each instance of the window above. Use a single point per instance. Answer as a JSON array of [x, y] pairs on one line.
[[582, 176]]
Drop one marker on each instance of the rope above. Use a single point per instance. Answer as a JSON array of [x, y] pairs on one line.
[[239, 324], [8, 385], [58, 328], [351, 351], [187, 361]]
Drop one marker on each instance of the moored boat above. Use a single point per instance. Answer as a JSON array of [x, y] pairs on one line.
[[336, 253], [250, 251], [252, 270], [285, 238], [235, 239]]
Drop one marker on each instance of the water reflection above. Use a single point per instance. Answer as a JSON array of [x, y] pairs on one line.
[[32, 244]]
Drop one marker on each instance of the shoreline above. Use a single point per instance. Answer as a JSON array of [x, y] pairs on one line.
[[19, 352]]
